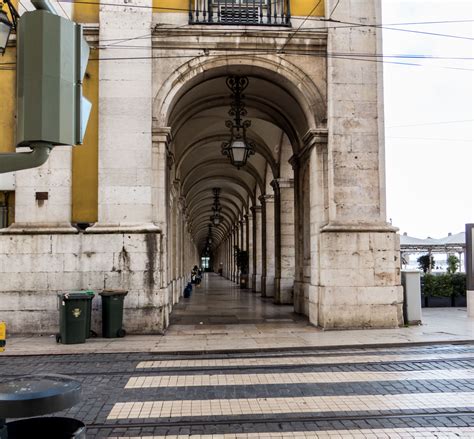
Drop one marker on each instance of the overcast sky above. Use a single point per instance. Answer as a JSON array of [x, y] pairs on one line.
[[429, 118]]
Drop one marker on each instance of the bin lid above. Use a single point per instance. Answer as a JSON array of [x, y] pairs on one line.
[[36, 395], [74, 295], [114, 293]]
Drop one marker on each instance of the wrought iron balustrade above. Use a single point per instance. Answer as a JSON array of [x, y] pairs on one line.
[[243, 13]]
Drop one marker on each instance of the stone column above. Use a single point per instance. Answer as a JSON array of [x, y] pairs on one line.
[[231, 252], [244, 247], [257, 249], [249, 233], [356, 250], [125, 118], [43, 195], [182, 264], [161, 162], [298, 206], [268, 274], [228, 258], [236, 244], [284, 240]]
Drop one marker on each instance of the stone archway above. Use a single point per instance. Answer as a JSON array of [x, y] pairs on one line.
[[197, 131], [325, 232]]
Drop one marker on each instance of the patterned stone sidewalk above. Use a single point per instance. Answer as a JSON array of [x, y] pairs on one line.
[[220, 316]]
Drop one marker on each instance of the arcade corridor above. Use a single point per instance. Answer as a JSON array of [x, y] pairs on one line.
[[217, 301]]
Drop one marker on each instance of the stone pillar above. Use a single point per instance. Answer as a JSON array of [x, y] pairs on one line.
[[231, 255], [284, 240], [268, 274], [228, 258], [43, 195], [298, 206], [161, 162], [125, 118], [236, 244], [355, 267], [257, 249], [249, 233]]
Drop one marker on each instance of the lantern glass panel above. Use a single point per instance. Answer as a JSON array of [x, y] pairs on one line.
[[239, 150]]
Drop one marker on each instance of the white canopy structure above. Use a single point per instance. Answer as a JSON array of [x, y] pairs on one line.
[[449, 244]]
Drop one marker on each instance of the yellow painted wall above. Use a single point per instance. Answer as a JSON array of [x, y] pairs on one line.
[[303, 8], [86, 12], [85, 157], [170, 5], [8, 98]]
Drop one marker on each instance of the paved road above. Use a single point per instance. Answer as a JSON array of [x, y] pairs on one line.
[[375, 393]]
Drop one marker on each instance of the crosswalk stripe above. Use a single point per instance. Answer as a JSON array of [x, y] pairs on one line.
[[300, 404], [141, 382], [300, 360]]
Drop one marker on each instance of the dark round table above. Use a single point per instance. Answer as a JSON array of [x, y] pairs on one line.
[[36, 395]]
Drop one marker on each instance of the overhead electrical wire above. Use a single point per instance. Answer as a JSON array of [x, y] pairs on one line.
[[387, 27], [308, 17], [445, 122], [64, 11], [300, 26], [11, 65], [430, 139], [333, 9], [352, 56]]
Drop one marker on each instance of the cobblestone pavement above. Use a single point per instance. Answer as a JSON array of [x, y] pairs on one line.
[[396, 392]]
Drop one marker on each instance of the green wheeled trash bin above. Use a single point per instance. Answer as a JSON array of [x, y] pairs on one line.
[[112, 313], [73, 317], [89, 332]]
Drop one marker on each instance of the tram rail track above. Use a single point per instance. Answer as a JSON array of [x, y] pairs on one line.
[[182, 423], [246, 369]]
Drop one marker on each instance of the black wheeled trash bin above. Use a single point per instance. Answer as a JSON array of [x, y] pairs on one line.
[[112, 313], [51, 428], [73, 317]]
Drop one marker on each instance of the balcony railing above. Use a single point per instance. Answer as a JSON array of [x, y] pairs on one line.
[[243, 13]]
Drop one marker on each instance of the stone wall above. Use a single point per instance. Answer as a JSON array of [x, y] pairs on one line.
[[35, 268], [360, 280]]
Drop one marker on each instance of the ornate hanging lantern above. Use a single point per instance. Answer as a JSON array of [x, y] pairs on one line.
[[216, 208], [238, 148]]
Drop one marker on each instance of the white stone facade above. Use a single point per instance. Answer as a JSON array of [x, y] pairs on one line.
[[309, 207]]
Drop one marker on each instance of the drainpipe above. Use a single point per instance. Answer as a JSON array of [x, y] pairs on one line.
[[44, 5], [10, 162]]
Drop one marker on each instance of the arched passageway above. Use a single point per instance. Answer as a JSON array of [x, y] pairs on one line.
[[254, 242], [218, 301], [295, 218]]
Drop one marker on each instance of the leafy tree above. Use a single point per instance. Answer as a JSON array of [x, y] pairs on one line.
[[426, 262], [453, 264]]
